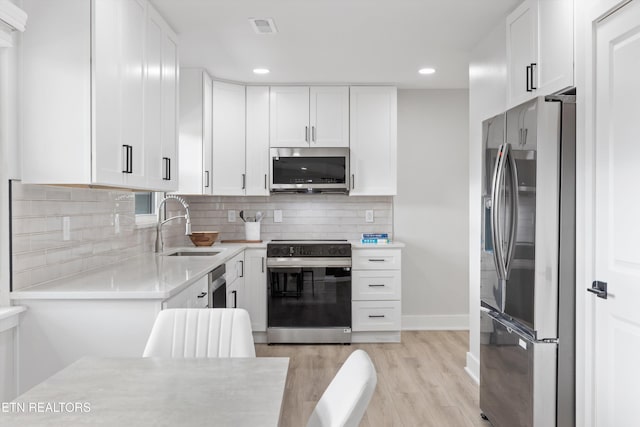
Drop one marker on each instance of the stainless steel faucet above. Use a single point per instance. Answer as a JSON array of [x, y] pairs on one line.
[[186, 216]]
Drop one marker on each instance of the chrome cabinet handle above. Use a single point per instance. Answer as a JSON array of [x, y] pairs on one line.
[[306, 133], [235, 299], [244, 181], [376, 316], [528, 71], [532, 68], [202, 295], [353, 181], [167, 169], [313, 133], [206, 179], [241, 268], [127, 158], [376, 285], [263, 264], [377, 260], [265, 181]]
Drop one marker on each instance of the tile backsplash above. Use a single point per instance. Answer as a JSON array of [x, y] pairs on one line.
[[101, 225], [101, 231], [303, 217]]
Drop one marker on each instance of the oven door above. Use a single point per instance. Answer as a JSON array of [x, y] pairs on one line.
[[309, 303], [309, 170]]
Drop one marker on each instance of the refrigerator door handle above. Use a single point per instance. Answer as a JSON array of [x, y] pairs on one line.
[[498, 252], [514, 213]]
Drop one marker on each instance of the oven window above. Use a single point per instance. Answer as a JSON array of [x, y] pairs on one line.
[[309, 297], [309, 170]]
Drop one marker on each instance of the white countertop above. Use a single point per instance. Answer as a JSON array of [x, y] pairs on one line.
[[148, 276]]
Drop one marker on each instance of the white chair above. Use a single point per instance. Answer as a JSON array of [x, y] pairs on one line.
[[188, 333], [345, 401]]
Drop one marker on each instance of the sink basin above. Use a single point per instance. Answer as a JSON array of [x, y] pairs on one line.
[[194, 253]]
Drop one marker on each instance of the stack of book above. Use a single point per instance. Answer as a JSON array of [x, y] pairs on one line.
[[375, 238]]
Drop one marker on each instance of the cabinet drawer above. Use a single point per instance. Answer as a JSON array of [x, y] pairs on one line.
[[376, 315], [376, 259], [376, 285], [201, 293]]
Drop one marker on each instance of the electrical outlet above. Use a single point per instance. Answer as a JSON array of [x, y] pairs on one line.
[[368, 216], [277, 216], [231, 216], [66, 228]]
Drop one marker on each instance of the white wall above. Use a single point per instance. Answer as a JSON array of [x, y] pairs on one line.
[[431, 208], [487, 97]]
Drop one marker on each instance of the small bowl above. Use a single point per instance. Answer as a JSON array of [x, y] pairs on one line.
[[204, 238]]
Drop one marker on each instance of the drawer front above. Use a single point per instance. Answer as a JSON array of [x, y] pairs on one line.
[[376, 315], [201, 293], [375, 259], [376, 285]]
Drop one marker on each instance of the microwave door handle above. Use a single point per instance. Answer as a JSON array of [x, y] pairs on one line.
[[513, 229], [498, 255]]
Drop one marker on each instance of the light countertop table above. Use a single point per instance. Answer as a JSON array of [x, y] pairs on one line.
[[140, 392]]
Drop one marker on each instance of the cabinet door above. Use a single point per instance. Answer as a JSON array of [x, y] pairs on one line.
[[194, 132], [255, 288], [522, 43], [289, 116], [373, 140], [169, 154], [257, 146], [555, 45], [229, 177], [153, 101], [329, 116]]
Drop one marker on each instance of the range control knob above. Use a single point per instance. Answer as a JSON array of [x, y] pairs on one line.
[[342, 251], [332, 250]]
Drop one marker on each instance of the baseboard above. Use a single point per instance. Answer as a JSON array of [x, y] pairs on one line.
[[435, 322], [473, 367]]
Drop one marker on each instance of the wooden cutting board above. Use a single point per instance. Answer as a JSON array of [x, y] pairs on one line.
[[241, 241]]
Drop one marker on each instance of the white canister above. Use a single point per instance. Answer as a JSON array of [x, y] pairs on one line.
[[252, 230]]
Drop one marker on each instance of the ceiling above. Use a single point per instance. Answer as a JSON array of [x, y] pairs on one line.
[[335, 41]]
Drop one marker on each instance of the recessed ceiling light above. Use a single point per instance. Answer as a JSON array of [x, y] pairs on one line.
[[427, 70], [260, 71]]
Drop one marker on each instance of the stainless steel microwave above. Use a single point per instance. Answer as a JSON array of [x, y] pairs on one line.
[[309, 170]]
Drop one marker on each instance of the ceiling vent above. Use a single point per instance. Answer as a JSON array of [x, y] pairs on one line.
[[263, 25]]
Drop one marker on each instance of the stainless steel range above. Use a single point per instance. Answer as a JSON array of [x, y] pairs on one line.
[[309, 291]]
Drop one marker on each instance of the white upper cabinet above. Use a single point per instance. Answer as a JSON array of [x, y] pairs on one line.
[[161, 90], [329, 116], [373, 140], [85, 93], [309, 117], [257, 146], [196, 130], [229, 176], [539, 49], [522, 51]]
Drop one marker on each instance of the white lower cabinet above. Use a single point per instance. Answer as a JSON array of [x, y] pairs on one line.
[[255, 287], [195, 296], [235, 281], [376, 294]]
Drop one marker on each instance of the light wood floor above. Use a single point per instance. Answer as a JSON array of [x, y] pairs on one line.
[[421, 382]]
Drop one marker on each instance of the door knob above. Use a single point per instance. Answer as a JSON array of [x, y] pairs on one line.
[[599, 288]]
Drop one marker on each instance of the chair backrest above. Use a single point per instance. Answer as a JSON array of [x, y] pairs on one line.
[[186, 332], [345, 401]]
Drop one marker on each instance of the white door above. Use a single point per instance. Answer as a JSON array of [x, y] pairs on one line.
[[555, 45], [289, 116], [257, 146], [329, 114], [373, 141], [207, 135], [521, 52], [617, 210], [229, 177], [169, 110]]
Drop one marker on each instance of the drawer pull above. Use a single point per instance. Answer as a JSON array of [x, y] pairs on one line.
[[376, 285], [202, 295], [377, 260], [374, 316]]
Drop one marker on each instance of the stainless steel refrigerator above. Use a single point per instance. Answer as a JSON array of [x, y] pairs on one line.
[[527, 316]]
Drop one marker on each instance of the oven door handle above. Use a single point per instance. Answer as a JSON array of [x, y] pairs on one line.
[[308, 262]]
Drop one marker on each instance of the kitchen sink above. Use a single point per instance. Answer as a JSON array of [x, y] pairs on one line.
[[194, 253]]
